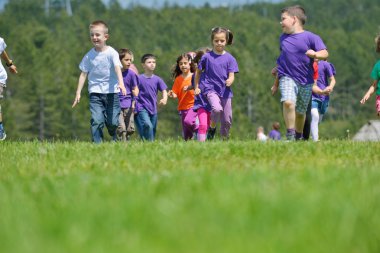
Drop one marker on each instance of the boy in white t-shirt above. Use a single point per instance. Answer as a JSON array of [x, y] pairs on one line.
[[103, 68], [3, 80]]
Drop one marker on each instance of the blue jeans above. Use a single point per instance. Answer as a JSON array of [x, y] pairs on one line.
[[105, 109], [322, 106], [146, 125]]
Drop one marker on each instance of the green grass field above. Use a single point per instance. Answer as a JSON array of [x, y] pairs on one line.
[[236, 196]]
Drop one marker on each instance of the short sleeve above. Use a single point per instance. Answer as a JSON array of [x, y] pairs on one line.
[[84, 65], [375, 74], [161, 85], [2, 45], [233, 65]]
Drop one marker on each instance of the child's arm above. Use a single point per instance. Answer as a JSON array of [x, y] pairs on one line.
[[120, 80], [230, 79], [82, 79], [164, 99], [321, 55], [135, 91], [197, 77], [9, 62], [171, 94], [275, 85], [331, 86], [370, 91]]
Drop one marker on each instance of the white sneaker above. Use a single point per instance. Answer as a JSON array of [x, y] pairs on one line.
[[2, 135]]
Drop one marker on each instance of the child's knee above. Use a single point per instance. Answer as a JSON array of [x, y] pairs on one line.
[[202, 129], [289, 104]]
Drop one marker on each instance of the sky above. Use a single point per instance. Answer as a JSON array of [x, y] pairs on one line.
[[160, 3]]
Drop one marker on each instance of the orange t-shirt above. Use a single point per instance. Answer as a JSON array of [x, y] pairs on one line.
[[185, 98]]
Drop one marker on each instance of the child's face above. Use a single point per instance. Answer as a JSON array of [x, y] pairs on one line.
[[98, 36], [219, 42], [287, 23], [126, 61], [149, 65], [184, 65]]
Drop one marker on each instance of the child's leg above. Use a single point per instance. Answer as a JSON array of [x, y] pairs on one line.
[[204, 119], [314, 123], [153, 119], [216, 106], [303, 100], [2, 132], [121, 129], [144, 125], [129, 121], [112, 113], [189, 123], [288, 89], [97, 109], [226, 119]]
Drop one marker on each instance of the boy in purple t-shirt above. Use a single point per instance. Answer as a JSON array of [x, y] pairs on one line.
[[298, 49], [146, 102], [127, 102]]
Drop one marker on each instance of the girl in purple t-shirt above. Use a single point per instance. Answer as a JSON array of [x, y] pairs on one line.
[[218, 69]]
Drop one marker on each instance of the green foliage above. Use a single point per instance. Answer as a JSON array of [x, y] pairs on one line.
[[48, 48], [151, 197]]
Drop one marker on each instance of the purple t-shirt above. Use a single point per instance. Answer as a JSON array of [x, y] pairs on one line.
[[200, 100], [275, 135], [216, 69], [325, 71], [293, 62], [130, 82], [147, 98]]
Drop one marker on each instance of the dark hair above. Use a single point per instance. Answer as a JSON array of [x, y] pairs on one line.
[[377, 41], [229, 35], [146, 57], [123, 51], [200, 52], [276, 125], [176, 69], [99, 22], [296, 11]]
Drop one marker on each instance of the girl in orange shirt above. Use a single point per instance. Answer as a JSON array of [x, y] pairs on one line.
[[182, 73]]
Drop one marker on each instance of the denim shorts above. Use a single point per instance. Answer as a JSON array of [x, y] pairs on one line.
[[322, 106], [294, 91]]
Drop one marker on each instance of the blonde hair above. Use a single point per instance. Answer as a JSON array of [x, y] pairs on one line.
[[99, 23], [377, 41]]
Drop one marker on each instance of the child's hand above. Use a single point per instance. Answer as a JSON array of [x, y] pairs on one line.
[[364, 99], [163, 101], [229, 82], [274, 89], [186, 88], [13, 69], [170, 93], [76, 100], [274, 71], [197, 91], [311, 53], [123, 90]]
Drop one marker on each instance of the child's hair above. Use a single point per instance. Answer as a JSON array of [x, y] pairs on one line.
[[100, 23], [176, 69], [377, 41], [227, 32], [146, 57], [199, 53], [296, 11], [276, 125], [123, 51]]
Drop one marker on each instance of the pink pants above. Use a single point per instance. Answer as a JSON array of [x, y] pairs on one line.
[[378, 104], [189, 123], [204, 123]]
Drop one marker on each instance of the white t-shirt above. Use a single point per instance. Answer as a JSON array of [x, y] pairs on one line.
[[3, 73], [100, 67]]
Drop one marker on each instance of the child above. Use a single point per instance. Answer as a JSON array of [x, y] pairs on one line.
[[103, 68], [219, 68], [260, 134], [183, 72], [146, 101], [295, 68], [375, 75], [127, 103], [320, 98], [3, 80], [275, 133]]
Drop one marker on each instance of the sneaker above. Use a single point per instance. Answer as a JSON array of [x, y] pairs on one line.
[[290, 137], [211, 133], [2, 135]]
